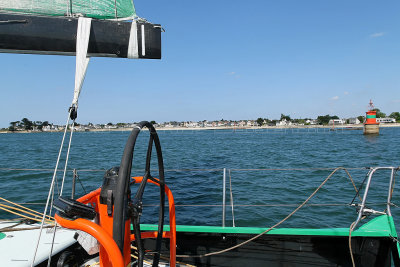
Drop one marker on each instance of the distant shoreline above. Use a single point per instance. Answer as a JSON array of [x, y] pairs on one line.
[[341, 127]]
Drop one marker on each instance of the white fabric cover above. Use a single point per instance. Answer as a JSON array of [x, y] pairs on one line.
[[82, 61]]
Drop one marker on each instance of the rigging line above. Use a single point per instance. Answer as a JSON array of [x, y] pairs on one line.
[[22, 215], [23, 211], [61, 191], [20, 205], [67, 156], [11, 226], [80, 182], [51, 190], [82, 61], [352, 182], [359, 189], [29, 203], [269, 229]]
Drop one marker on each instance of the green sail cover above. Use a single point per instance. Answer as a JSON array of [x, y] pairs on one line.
[[99, 9]]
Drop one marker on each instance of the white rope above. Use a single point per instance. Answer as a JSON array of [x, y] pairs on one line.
[[51, 191]]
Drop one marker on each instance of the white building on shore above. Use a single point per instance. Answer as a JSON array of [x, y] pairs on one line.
[[354, 121], [385, 120], [337, 122], [284, 122], [312, 122]]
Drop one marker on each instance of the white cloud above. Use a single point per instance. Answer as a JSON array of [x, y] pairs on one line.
[[377, 34], [234, 74], [335, 98]]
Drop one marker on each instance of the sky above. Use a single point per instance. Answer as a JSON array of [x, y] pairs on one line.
[[227, 60]]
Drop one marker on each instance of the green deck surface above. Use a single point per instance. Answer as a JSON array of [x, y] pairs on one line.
[[381, 226]]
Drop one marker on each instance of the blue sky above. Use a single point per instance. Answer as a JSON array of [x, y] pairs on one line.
[[226, 59]]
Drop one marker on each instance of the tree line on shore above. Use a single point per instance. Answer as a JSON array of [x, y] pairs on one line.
[[26, 124], [324, 120]]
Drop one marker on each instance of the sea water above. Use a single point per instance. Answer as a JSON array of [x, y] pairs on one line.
[[271, 171]]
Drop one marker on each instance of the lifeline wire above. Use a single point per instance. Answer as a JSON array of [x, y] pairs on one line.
[[269, 229]]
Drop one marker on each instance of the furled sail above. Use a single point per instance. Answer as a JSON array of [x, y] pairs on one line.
[[99, 9]]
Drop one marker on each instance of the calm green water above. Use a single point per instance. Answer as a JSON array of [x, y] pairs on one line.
[[255, 192]]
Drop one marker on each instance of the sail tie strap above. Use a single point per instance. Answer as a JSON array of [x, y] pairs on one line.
[[82, 60], [133, 48]]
